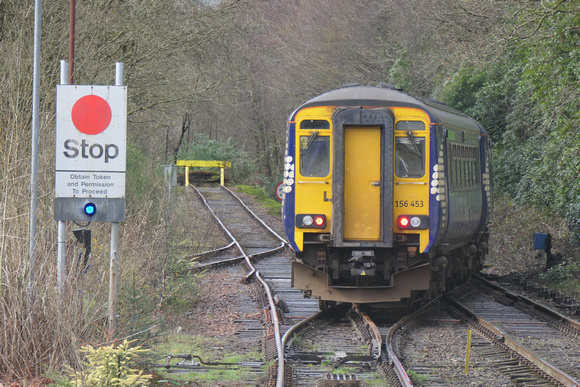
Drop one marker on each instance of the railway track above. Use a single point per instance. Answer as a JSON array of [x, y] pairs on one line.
[[349, 338], [515, 341], [265, 257], [333, 347], [521, 343], [374, 346], [250, 237]]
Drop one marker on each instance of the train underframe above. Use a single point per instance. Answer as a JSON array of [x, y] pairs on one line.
[[376, 275]]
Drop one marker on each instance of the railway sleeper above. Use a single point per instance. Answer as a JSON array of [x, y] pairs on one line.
[[317, 358], [331, 380]]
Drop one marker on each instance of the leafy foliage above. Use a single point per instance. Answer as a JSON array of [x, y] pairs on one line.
[[561, 273], [108, 366], [528, 99], [205, 148]]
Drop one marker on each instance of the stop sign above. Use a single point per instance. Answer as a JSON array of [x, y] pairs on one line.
[[91, 136]]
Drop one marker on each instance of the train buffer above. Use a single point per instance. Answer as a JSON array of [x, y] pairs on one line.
[[206, 164]]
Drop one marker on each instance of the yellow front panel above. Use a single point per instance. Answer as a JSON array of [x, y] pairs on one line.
[[411, 195], [312, 190], [362, 176]]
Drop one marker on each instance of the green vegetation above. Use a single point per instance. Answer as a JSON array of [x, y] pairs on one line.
[[528, 98], [211, 350], [272, 205], [418, 379], [564, 277], [112, 365], [204, 148]]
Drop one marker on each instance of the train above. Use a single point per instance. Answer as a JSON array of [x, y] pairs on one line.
[[387, 197]]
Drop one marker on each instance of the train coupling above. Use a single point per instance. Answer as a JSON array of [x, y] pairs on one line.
[[362, 263]]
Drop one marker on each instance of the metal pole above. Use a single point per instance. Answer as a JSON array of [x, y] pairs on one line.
[[113, 267], [119, 73], [112, 314], [61, 237], [35, 130], [63, 73], [61, 250], [71, 48]]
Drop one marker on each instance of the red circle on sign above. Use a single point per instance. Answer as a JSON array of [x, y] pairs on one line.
[[91, 114]]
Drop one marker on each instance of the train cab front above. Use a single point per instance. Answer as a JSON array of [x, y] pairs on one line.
[[356, 205]]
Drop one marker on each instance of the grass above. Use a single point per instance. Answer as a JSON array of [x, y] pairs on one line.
[[419, 379], [272, 205], [211, 350]]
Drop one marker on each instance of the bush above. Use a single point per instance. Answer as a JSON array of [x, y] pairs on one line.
[[531, 115], [107, 366], [204, 148], [561, 273]]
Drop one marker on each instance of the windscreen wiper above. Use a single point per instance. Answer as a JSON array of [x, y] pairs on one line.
[[310, 141], [412, 138]]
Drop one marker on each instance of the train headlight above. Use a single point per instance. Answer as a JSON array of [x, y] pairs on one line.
[[413, 222], [310, 220]]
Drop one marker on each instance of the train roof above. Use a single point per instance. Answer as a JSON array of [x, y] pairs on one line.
[[388, 96]]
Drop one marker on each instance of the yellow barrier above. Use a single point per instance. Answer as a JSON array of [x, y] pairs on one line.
[[203, 163]]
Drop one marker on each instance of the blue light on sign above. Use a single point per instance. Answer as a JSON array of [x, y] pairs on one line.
[[90, 209]]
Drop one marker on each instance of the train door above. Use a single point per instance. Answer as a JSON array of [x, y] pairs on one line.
[[362, 196], [362, 183]]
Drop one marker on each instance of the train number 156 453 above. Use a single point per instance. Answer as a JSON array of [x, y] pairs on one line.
[[408, 203]]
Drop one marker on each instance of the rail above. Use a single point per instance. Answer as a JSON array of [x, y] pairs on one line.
[[571, 326], [396, 363], [504, 341], [254, 272]]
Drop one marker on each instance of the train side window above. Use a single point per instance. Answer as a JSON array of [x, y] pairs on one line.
[[410, 125], [410, 157], [314, 155], [315, 124]]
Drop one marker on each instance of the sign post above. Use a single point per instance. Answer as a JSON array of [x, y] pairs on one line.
[[90, 168]]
